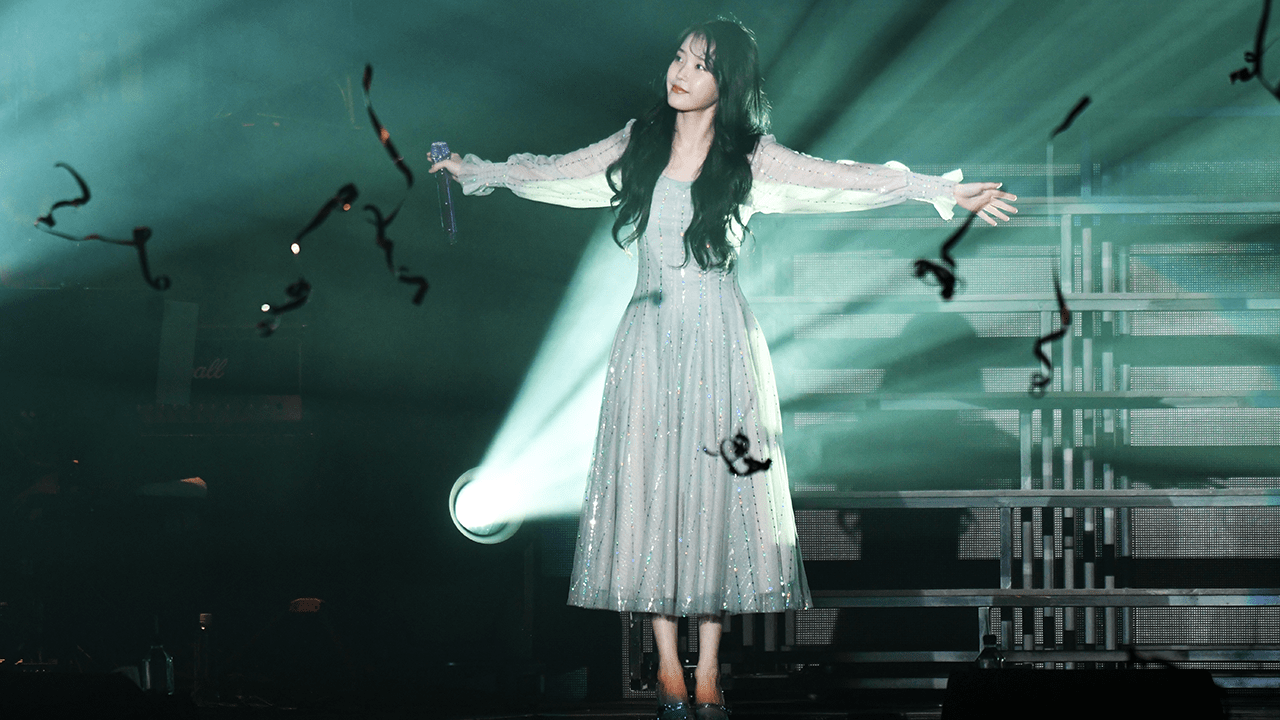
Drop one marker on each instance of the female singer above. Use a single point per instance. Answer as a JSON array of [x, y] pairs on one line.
[[669, 526]]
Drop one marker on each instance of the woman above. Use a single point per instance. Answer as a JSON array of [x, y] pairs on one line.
[[669, 527]]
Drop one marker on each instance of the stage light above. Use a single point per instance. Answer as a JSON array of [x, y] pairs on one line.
[[473, 516], [536, 465]]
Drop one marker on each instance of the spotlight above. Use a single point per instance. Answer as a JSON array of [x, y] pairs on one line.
[[473, 516]]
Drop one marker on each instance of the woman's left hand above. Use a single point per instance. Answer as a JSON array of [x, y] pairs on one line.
[[985, 199]]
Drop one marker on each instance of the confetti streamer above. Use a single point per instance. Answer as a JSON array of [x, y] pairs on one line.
[[1039, 380], [738, 447], [951, 242], [420, 281], [380, 224], [300, 291], [1071, 116], [141, 234], [347, 195], [343, 201], [77, 202], [383, 136], [1254, 58], [946, 278]]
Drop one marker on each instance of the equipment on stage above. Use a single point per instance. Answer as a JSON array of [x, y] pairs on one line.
[[157, 667]]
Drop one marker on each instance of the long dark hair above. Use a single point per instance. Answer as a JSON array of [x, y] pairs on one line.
[[722, 186]]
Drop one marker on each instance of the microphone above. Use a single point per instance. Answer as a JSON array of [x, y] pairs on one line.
[[440, 151]]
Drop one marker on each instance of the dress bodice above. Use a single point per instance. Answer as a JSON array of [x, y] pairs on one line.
[[663, 266]]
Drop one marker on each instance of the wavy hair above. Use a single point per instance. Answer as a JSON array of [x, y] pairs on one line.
[[723, 184]]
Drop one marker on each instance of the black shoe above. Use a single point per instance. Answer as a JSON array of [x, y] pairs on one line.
[[710, 711]]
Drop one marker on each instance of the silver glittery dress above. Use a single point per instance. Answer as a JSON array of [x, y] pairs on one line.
[[665, 527]]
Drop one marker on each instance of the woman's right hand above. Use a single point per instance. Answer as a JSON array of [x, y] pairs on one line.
[[453, 164]]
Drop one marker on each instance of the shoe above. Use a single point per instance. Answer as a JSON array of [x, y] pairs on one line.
[[710, 711], [674, 711]]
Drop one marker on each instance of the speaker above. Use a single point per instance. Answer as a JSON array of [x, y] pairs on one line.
[[41, 695], [1095, 694]]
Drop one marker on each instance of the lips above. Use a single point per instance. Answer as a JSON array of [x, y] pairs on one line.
[[678, 89]]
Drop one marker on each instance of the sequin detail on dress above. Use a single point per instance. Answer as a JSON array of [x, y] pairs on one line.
[[665, 527]]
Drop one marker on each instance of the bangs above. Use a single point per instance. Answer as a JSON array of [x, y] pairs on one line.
[[698, 35]]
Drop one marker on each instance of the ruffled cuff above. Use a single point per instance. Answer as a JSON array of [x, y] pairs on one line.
[[945, 203], [480, 177], [937, 191]]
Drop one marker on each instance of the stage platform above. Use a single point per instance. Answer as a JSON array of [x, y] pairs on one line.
[[875, 706]]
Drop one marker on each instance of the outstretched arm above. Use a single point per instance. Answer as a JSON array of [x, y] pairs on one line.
[[575, 179], [786, 181]]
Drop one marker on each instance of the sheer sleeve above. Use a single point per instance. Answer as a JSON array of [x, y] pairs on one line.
[[575, 179], [786, 181]]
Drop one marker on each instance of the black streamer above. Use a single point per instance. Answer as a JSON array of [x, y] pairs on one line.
[[946, 278], [300, 291], [381, 223], [141, 234], [420, 281], [1039, 380], [1071, 116], [343, 200], [347, 194], [77, 202], [401, 273], [1254, 58], [738, 447], [383, 136]]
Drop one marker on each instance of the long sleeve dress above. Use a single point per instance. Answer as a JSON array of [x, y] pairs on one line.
[[665, 527]]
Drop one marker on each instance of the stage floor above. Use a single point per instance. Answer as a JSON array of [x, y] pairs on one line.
[[622, 710], [874, 707]]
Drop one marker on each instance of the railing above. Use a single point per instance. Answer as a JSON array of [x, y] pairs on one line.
[[1074, 489]]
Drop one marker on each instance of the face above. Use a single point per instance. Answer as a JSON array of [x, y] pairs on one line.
[[690, 84]]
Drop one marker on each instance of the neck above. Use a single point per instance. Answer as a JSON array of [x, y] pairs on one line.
[[693, 133]]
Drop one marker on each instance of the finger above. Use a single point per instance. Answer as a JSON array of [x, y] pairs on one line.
[[986, 218], [1003, 206], [997, 213], [984, 200], [982, 187]]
